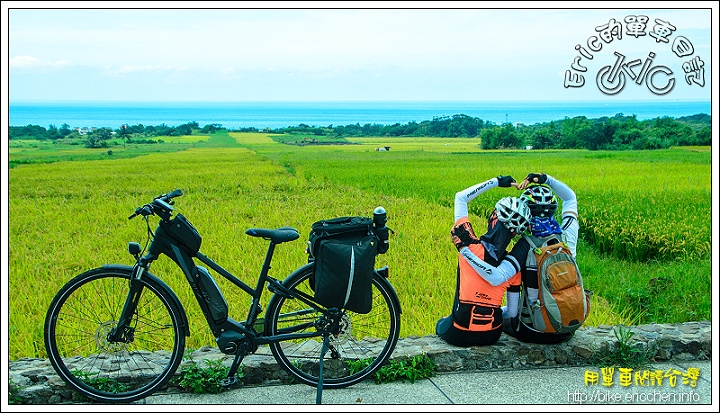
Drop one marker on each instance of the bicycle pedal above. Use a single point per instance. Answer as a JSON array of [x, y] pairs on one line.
[[229, 381]]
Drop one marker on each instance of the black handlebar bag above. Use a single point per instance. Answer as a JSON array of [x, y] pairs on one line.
[[344, 264]]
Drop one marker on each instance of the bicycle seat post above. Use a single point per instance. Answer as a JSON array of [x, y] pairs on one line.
[[265, 270]]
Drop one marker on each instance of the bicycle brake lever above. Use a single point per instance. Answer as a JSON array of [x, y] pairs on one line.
[[144, 210], [137, 212]]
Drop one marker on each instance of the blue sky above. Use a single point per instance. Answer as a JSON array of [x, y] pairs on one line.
[[221, 53]]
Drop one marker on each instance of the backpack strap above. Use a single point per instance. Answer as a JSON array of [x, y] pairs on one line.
[[530, 241], [536, 242], [524, 311]]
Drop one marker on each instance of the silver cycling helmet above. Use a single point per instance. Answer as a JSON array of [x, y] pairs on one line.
[[541, 200], [513, 213]]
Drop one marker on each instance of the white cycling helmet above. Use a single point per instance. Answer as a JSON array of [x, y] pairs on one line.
[[513, 213], [541, 200]]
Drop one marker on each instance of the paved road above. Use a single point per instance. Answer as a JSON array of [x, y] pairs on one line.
[[545, 387]]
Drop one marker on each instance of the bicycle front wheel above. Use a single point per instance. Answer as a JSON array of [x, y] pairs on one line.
[[87, 309], [365, 341]]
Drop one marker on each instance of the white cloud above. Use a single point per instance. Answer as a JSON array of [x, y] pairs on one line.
[[24, 61], [124, 70], [455, 51], [21, 62], [312, 38]]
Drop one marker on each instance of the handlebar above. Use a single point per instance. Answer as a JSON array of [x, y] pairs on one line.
[[161, 206]]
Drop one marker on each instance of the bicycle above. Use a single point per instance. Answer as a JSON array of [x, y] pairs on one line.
[[117, 333]]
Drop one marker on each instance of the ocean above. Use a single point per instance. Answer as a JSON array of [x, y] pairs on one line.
[[261, 115]]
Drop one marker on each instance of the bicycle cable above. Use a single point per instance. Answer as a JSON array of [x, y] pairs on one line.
[[150, 234]]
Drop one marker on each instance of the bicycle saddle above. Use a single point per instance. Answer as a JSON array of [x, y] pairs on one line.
[[278, 236]]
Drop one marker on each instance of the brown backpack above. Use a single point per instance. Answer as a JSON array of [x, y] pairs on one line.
[[563, 303]]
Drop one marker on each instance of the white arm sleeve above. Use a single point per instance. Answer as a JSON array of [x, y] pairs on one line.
[[567, 195], [570, 225], [512, 299], [494, 275], [468, 194]]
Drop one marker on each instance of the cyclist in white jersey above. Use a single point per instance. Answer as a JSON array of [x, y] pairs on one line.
[[542, 205]]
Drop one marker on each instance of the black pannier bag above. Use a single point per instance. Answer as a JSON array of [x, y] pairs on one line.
[[344, 251]]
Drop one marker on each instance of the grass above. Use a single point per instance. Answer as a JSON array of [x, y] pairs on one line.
[[625, 353], [13, 393], [26, 152], [69, 216], [411, 368], [637, 234], [194, 378]]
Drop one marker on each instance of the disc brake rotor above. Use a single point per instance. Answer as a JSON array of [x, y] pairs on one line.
[[344, 331], [101, 338]]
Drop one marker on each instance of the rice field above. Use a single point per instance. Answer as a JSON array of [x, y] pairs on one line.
[[645, 220]]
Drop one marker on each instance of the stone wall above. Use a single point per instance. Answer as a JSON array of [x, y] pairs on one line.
[[38, 383]]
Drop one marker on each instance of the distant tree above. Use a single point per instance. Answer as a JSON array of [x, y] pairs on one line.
[[623, 138], [703, 137], [488, 138], [136, 129], [185, 129], [98, 138], [53, 133], [27, 132], [500, 137], [211, 128], [648, 143], [569, 132], [543, 138], [64, 129], [671, 132]]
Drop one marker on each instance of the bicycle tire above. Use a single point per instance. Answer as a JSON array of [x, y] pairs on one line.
[[82, 314], [365, 344]]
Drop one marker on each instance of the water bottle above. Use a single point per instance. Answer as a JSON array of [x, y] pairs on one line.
[[379, 220], [379, 217]]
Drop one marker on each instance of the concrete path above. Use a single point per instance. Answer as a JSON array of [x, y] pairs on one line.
[[544, 388]]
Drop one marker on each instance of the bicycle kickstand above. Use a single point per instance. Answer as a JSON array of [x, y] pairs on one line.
[[231, 378], [326, 346]]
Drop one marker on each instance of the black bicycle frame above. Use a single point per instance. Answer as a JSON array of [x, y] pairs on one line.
[[161, 244]]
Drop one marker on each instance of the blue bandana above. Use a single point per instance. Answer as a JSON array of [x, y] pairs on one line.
[[543, 227]]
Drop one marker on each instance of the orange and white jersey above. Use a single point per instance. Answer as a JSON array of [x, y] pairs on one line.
[[477, 301]]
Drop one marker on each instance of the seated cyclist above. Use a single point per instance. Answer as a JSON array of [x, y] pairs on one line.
[[476, 318], [539, 191]]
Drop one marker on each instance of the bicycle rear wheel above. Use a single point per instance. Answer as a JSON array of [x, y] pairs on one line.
[[365, 342], [82, 314]]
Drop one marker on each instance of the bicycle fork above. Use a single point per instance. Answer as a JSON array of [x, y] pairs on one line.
[[123, 332]]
